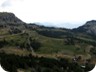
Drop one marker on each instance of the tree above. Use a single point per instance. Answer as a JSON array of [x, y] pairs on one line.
[[35, 44]]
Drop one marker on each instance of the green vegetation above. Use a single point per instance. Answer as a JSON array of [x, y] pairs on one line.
[[37, 48], [14, 63]]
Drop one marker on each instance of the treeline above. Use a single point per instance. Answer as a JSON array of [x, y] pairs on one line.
[[53, 33], [71, 40], [41, 64]]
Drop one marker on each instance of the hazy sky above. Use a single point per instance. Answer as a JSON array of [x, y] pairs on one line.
[[66, 13]]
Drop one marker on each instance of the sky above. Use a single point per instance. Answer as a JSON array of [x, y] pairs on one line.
[[59, 13]]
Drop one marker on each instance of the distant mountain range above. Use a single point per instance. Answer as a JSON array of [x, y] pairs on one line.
[[9, 18]]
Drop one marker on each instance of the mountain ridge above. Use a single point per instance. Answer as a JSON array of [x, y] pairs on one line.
[[9, 19], [89, 27]]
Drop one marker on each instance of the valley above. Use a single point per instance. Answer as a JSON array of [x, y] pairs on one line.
[[29, 43]]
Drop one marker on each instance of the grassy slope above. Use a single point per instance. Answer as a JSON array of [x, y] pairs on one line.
[[56, 46], [50, 46]]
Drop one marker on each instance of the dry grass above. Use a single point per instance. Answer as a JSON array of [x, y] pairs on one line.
[[16, 51]]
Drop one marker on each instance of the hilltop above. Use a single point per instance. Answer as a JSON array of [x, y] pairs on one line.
[[89, 28]]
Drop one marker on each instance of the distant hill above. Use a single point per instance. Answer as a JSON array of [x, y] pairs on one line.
[[89, 27]]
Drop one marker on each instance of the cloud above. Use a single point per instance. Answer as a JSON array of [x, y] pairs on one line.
[[10, 3], [62, 12], [7, 3], [62, 25]]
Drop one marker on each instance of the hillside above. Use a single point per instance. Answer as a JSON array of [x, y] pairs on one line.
[[19, 39], [9, 18], [89, 28]]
